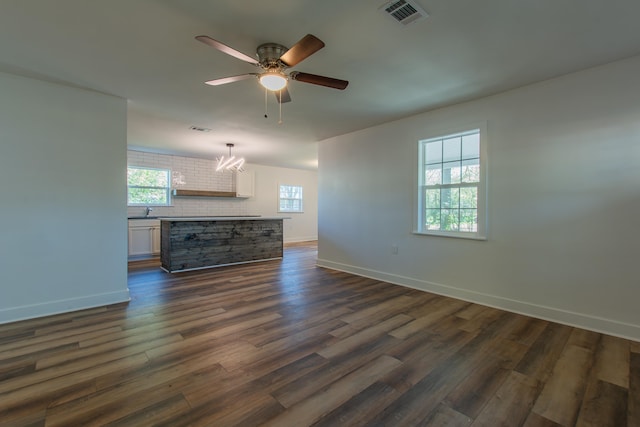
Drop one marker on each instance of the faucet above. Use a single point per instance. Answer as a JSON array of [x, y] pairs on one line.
[[148, 211]]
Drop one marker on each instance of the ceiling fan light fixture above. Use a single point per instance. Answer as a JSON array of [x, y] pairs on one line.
[[273, 81]]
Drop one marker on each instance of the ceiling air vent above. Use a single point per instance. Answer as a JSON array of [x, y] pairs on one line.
[[404, 12], [199, 129]]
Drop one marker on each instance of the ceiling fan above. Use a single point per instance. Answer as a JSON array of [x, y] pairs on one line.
[[274, 60]]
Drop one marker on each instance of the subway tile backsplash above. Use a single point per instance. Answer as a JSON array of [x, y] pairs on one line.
[[193, 174]]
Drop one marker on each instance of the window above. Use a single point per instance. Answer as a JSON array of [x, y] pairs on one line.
[[290, 198], [451, 185], [148, 186]]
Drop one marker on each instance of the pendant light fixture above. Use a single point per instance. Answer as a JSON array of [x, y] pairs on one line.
[[231, 163]]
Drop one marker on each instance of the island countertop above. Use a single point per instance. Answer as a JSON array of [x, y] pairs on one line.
[[222, 218]]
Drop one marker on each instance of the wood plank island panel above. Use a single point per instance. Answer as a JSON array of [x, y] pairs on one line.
[[190, 244]]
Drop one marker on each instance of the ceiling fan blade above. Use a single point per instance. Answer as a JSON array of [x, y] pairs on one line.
[[319, 80], [286, 97], [303, 49], [226, 49], [225, 80]]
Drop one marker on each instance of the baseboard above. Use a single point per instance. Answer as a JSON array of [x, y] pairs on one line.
[[14, 314], [301, 239], [569, 318]]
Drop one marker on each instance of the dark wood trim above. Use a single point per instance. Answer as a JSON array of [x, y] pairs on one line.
[[202, 193]]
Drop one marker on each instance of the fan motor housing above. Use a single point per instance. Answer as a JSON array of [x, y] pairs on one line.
[[269, 54]]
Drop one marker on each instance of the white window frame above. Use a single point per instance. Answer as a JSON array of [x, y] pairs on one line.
[[167, 189], [301, 198], [419, 211]]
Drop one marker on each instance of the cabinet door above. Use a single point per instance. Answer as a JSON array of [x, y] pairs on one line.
[[244, 184], [144, 237], [155, 240], [140, 241]]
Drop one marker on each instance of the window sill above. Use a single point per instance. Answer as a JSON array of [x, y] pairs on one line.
[[455, 235], [151, 206]]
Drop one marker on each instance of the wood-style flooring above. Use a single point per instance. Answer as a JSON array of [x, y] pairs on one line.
[[285, 343]]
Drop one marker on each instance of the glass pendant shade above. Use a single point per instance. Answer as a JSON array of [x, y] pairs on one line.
[[273, 81]]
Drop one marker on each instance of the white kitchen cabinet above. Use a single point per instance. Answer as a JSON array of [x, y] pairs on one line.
[[144, 237], [245, 184], [155, 239]]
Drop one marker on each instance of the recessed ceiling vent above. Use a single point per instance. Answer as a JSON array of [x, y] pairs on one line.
[[199, 129], [404, 12]]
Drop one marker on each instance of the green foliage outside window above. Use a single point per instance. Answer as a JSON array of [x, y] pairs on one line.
[[147, 186]]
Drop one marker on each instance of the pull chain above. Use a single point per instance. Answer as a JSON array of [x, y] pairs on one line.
[[280, 121], [265, 103], [266, 94]]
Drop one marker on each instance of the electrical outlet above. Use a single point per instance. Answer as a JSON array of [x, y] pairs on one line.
[[394, 249]]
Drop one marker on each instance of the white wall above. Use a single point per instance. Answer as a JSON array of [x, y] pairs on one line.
[[564, 202], [199, 174], [63, 240], [301, 226]]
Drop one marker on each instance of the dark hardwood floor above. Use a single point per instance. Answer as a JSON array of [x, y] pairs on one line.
[[285, 343]]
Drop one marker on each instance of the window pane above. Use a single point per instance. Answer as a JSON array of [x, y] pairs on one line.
[[290, 192], [147, 196], [449, 220], [433, 174], [470, 170], [147, 177], [469, 197], [450, 198], [451, 149], [433, 152], [286, 204], [432, 219], [469, 220], [451, 173], [432, 198], [147, 186], [471, 146]]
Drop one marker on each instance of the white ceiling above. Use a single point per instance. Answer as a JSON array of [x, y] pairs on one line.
[[145, 51]]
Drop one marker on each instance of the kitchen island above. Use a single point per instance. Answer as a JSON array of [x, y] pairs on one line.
[[205, 242]]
